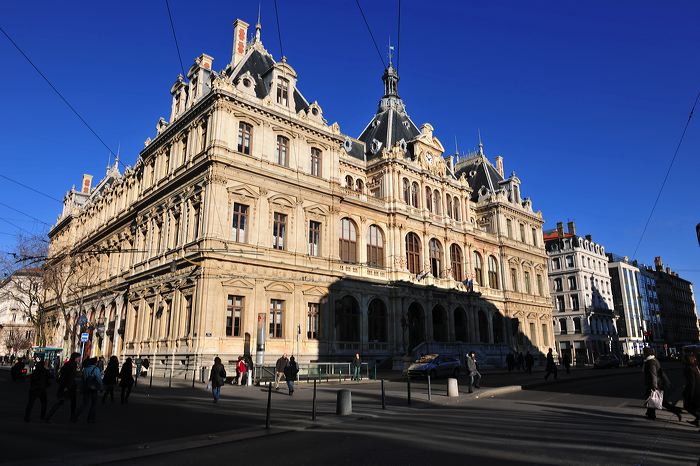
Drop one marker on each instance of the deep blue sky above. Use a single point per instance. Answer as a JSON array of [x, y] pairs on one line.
[[586, 102]]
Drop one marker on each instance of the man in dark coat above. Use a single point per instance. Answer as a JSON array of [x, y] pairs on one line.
[[279, 369], [290, 374], [217, 377], [474, 377], [38, 383], [567, 362], [551, 367], [66, 386], [656, 379]]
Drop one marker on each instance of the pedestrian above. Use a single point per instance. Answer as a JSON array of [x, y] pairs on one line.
[[18, 370], [126, 380], [290, 374], [91, 386], [356, 367], [529, 362], [242, 370], [217, 378], [279, 369], [110, 378], [551, 367], [656, 379], [101, 364], [691, 391], [510, 361], [474, 377], [67, 387], [38, 383], [567, 362]]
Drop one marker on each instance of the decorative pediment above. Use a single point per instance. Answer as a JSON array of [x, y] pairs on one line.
[[283, 200], [315, 291], [238, 283], [280, 287], [316, 209], [244, 191]]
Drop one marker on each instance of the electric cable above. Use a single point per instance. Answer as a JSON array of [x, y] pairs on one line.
[[381, 59]]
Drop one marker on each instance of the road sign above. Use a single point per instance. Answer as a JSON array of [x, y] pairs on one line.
[[84, 337]]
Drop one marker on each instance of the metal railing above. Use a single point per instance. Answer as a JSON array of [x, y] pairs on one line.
[[320, 371]]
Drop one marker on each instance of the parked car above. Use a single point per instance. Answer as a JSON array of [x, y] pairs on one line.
[[635, 361], [435, 365], [606, 361]]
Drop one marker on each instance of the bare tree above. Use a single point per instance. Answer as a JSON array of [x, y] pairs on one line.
[[16, 341]]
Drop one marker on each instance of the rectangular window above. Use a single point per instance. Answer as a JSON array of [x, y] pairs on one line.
[[556, 264], [545, 335], [557, 284], [533, 333], [522, 233], [577, 325], [572, 283], [240, 222], [188, 315], [312, 321], [314, 238], [560, 303], [514, 279], [276, 314], [279, 231], [234, 309], [176, 230], [534, 236], [540, 291], [315, 162], [203, 140], [526, 278], [509, 225], [282, 151], [245, 133], [570, 261], [574, 302], [195, 225], [282, 91]]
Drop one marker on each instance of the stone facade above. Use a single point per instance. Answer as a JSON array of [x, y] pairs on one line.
[[626, 299], [249, 223], [678, 310]]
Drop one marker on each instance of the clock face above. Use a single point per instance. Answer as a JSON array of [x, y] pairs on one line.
[[429, 158]]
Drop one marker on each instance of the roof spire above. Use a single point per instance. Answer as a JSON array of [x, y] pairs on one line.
[[391, 49], [481, 146], [257, 25]]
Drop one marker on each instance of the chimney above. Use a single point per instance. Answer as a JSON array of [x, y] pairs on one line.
[[571, 228], [668, 270], [240, 34], [499, 165], [87, 184], [451, 163], [560, 229], [589, 237], [659, 264]]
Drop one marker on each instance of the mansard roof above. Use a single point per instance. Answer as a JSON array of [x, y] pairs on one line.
[[479, 173]]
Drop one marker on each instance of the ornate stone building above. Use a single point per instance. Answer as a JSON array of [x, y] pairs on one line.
[[249, 223]]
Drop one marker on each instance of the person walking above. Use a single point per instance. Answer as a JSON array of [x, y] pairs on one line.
[[110, 379], [279, 369], [356, 367], [217, 377], [567, 362], [691, 391], [91, 386], [656, 379], [529, 362], [242, 370], [67, 387], [126, 380], [551, 367], [474, 377], [38, 383], [290, 374], [101, 364]]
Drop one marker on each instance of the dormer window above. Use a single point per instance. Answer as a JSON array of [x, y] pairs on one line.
[[246, 82], [283, 91]]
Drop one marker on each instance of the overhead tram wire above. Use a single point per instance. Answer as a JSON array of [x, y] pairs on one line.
[[370, 33], [80, 117], [25, 214], [668, 172], [30, 188], [279, 31], [177, 46]]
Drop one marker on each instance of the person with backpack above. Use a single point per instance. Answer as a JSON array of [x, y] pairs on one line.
[[92, 384], [38, 383], [110, 378], [126, 380], [290, 374], [217, 378], [67, 386]]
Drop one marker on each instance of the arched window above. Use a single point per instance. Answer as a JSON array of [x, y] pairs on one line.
[[440, 331], [456, 258], [376, 321], [428, 199], [347, 319], [348, 241], [359, 186], [497, 324], [375, 246], [435, 258], [493, 273], [448, 205], [478, 269], [461, 328], [457, 211], [483, 327], [406, 191], [437, 208], [415, 194], [413, 253], [245, 137], [348, 182], [282, 151]]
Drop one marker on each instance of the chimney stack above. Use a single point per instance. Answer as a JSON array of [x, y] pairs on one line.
[[659, 264], [87, 184], [499, 165], [571, 227], [560, 229], [668, 270], [240, 35]]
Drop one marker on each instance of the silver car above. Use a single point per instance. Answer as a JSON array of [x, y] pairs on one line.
[[435, 365]]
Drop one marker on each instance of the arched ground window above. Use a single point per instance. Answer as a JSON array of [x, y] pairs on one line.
[[483, 327], [413, 260], [282, 151], [428, 199], [439, 324], [375, 246], [376, 321], [497, 323], [456, 258], [415, 194], [348, 241], [406, 191], [478, 269], [416, 325], [347, 320], [493, 273], [435, 258], [461, 332]]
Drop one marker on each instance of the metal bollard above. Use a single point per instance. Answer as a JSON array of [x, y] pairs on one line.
[[408, 389], [269, 400], [150, 383], [383, 396], [194, 375], [313, 404], [343, 405], [170, 382], [430, 392]]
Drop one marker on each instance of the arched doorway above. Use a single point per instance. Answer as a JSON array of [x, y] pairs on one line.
[[483, 327], [497, 323], [440, 332], [347, 320], [461, 329], [376, 321], [416, 325]]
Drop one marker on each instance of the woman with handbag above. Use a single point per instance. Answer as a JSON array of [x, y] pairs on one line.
[[656, 382]]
